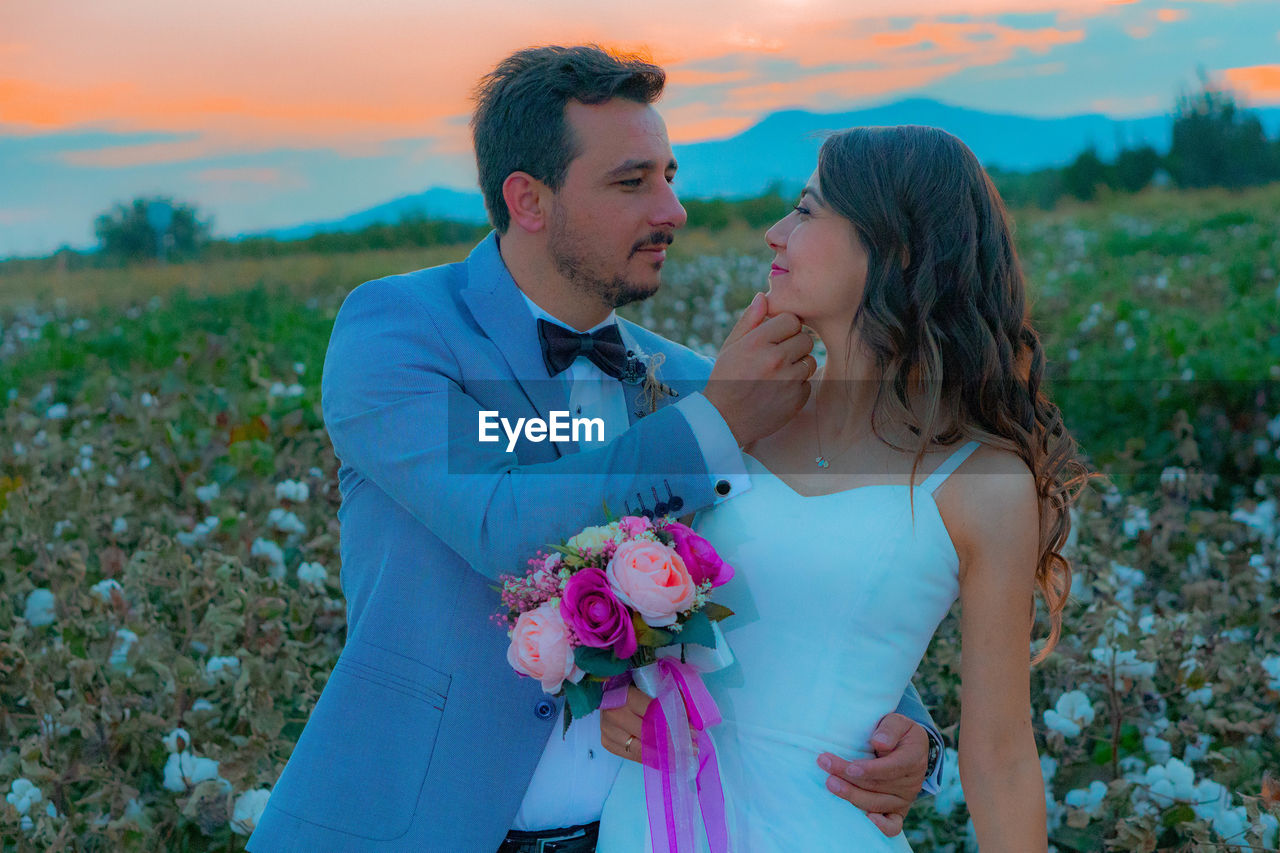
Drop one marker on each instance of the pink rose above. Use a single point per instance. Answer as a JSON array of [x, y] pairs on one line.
[[596, 615], [702, 561], [652, 579], [540, 648], [634, 525]]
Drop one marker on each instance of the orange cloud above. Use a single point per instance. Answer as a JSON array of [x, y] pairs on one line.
[[907, 59], [247, 76], [1257, 83], [1169, 16]]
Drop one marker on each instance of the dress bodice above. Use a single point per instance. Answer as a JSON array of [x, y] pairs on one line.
[[835, 600]]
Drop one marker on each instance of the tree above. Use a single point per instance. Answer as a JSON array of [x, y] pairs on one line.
[[1216, 143], [154, 228], [1134, 168], [1085, 174]]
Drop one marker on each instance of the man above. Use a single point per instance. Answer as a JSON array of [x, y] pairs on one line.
[[424, 738]]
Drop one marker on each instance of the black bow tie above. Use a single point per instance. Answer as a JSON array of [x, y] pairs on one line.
[[560, 346]]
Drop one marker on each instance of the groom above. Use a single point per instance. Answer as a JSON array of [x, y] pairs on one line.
[[424, 738]]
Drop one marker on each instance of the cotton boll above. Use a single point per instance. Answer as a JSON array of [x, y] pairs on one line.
[[185, 770], [286, 522], [177, 740], [23, 794], [292, 490], [313, 574], [103, 588], [1089, 800], [40, 608], [248, 810]]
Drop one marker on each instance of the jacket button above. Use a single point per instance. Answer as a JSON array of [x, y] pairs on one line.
[[722, 487], [544, 710]]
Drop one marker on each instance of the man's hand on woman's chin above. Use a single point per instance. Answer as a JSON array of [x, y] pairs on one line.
[[885, 786]]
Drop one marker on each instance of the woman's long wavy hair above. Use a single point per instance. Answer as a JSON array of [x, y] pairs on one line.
[[945, 315]]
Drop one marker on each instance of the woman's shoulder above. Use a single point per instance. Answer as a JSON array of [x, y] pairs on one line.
[[992, 499]]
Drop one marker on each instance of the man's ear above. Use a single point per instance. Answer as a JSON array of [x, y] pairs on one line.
[[526, 199]]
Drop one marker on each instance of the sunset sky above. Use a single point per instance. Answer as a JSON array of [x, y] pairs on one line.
[[269, 114]]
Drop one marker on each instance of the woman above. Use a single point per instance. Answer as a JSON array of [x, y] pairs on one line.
[[855, 539]]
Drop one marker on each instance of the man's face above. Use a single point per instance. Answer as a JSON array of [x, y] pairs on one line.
[[616, 213]]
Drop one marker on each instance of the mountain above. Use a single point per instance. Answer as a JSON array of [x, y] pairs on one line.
[[435, 203], [784, 147]]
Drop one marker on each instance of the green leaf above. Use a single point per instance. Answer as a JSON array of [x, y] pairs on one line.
[[1180, 813], [584, 697], [715, 612], [650, 636], [697, 629], [1102, 753], [600, 662], [1077, 839]]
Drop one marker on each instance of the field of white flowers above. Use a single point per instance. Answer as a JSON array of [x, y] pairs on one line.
[[168, 542]]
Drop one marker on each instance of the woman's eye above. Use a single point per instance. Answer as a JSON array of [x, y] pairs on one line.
[[801, 209]]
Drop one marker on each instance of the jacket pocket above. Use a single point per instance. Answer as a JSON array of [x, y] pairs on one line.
[[365, 751]]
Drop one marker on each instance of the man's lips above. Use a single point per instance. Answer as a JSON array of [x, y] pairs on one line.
[[659, 252]]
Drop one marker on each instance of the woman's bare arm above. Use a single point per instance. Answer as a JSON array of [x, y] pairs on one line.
[[992, 515]]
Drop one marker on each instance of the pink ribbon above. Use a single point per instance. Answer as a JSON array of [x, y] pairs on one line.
[[669, 767]]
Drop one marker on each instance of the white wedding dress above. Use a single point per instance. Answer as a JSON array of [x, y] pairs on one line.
[[836, 598]]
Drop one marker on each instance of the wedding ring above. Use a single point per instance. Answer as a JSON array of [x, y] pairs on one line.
[[626, 747]]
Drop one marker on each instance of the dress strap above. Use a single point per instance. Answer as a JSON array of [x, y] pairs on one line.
[[952, 462]]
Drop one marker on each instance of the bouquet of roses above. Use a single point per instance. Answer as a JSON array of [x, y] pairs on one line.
[[603, 603]]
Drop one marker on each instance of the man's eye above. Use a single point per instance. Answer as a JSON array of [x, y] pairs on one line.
[[633, 183]]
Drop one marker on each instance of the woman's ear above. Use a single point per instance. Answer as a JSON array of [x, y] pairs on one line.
[[526, 198]]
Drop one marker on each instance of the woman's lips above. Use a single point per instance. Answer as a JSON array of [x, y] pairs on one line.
[[776, 270]]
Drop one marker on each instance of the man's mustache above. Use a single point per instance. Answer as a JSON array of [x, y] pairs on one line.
[[656, 240]]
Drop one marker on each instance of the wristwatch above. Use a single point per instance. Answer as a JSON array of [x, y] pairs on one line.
[[934, 755]]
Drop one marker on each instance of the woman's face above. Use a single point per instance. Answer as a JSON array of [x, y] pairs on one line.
[[819, 266]]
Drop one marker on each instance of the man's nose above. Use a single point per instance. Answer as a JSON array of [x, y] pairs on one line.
[[671, 211]]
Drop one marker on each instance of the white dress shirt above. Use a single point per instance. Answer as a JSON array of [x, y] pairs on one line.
[[575, 773]]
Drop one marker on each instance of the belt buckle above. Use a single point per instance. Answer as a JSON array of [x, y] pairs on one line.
[[543, 842]]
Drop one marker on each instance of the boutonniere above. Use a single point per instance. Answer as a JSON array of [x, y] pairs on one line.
[[644, 372]]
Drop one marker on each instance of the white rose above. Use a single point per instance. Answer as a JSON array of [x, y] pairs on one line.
[[591, 537]]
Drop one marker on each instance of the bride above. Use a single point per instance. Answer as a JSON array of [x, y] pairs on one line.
[[926, 465]]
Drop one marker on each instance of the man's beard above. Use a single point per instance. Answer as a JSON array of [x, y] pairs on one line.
[[570, 257]]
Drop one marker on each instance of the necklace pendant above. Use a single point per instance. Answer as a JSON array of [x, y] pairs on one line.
[[822, 461]]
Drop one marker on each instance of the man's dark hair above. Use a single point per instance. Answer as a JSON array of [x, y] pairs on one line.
[[519, 124]]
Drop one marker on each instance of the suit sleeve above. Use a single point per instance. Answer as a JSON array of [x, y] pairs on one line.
[[393, 404], [913, 708]]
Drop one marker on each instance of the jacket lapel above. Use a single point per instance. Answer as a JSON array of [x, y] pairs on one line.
[[500, 311]]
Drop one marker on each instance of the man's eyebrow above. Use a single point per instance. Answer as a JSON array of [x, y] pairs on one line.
[[637, 166]]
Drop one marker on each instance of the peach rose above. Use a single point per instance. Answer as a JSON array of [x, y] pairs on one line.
[[540, 648], [651, 579]]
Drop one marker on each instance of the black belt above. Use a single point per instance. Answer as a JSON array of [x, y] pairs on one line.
[[570, 839]]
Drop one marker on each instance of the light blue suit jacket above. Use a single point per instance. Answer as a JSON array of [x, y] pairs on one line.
[[424, 738]]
